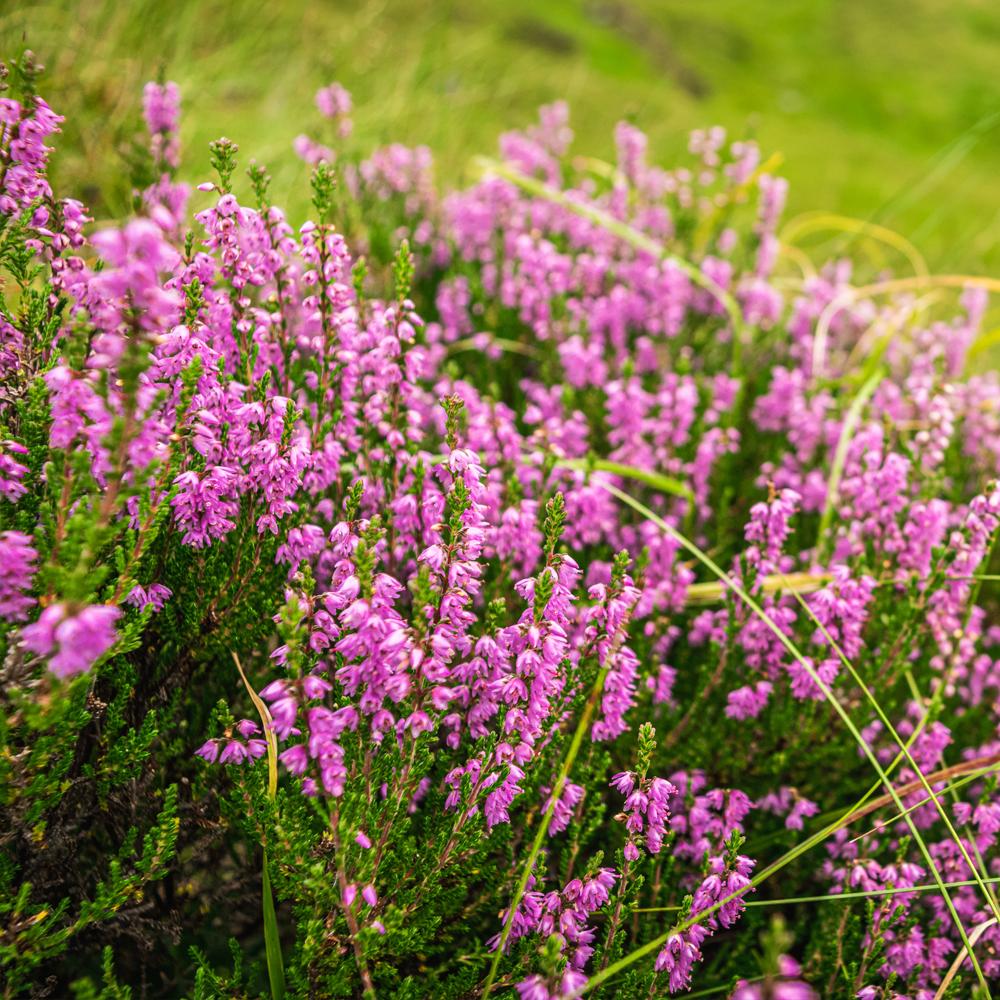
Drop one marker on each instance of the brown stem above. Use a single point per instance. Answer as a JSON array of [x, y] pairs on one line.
[[713, 682], [387, 827], [615, 917], [352, 920], [841, 930], [917, 784]]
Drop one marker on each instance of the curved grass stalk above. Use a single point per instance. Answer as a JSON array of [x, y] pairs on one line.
[[921, 777], [711, 592], [632, 236], [793, 650], [812, 222], [665, 484], [272, 938], [851, 420], [503, 343], [800, 257], [583, 724], [848, 295], [834, 897], [912, 786]]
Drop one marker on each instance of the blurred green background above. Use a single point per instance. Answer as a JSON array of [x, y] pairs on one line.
[[883, 109]]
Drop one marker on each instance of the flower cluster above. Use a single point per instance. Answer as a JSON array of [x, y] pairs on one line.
[[478, 487], [646, 811]]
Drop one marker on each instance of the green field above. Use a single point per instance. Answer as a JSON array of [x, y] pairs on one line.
[[886, 110]]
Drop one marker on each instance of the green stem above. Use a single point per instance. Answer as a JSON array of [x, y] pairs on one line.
[[522, 883], [840, 455], [835, 897]]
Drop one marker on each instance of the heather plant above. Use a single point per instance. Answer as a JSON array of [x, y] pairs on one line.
[[552, 587]]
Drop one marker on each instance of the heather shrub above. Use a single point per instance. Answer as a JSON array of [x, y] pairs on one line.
[[551, 587]]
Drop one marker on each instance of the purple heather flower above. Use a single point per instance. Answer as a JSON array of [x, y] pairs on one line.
[[334, 102], [769, 528], [749, 701], [72, 642], [161, 109], [209, 750], [154, 596], [17, 556], [787, 986], [12, 472], [646, 811]]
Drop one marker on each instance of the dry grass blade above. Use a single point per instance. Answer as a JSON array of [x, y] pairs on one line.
[[977, 932], [851, 421], [812, 222], [269, 735], [850, 295], [272, 937], [504, 344], [711, 592]]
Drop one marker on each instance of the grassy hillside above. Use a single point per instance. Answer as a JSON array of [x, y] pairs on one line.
[[887, 110]]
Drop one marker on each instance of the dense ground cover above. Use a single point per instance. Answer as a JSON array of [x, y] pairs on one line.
[[553, 586]]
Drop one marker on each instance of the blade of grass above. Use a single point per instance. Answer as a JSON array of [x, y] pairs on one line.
[[891, 729], [630, 235], [939, 166], [583, 724], [792, 649], [851, 420], [665, 484], [272, 937], [834, 897], [812, 222], [977, 932]]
